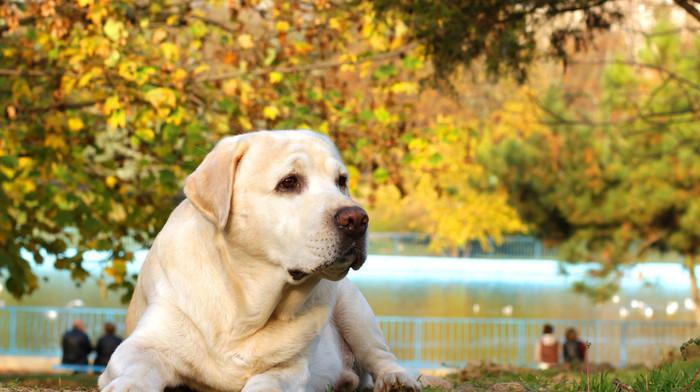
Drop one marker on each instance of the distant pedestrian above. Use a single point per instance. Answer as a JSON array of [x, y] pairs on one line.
[[574, 350], [106, 345], [76, 345], [547, 348]]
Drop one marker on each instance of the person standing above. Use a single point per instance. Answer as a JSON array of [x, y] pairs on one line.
[[106, 345], [76, 345], [547, 348]]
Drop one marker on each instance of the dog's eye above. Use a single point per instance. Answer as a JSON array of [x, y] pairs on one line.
[[343, 181], [291, 183]]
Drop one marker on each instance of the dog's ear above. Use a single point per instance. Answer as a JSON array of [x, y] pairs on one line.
[[210, 187]]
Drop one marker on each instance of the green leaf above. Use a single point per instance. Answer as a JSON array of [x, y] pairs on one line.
[[380, 175]]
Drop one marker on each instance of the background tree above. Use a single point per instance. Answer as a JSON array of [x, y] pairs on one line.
[[617, 179], [507, 36], [108, 105]]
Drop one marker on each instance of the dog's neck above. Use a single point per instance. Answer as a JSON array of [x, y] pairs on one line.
[[258, 300], [294, 297]]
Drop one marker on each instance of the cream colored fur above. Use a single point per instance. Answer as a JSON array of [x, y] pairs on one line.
[[215, 306]]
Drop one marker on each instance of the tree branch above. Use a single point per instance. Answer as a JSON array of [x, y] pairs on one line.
[[21, 72], [655, 67], [306, 67], [22, 22], [689, 8], [63, 106], [223, 26]]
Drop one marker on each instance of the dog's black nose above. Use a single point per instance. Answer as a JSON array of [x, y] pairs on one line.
[[352, 221]]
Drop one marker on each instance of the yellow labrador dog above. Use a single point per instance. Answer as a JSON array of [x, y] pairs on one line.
[[245, 289]]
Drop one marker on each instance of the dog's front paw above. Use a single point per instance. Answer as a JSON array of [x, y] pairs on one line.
[[396, 381], [123, 384], [262, 383]]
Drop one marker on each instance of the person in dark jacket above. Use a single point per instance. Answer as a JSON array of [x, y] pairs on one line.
[[573, 350], [106, 345], [76, 345]]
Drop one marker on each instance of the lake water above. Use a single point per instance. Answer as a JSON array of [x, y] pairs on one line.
[[457, 287]]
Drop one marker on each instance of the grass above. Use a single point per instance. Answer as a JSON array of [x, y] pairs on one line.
[[673, 377], [679, 376], [31, 382]]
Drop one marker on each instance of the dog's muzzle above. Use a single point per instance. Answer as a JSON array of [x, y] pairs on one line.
[[351, 223]]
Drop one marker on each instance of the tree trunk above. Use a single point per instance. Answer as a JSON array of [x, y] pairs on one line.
[[694, 290]]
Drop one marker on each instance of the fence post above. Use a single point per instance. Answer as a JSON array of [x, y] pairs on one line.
[[623, 344], [538, 249], [13, 330], [521, 342], [418, 342]]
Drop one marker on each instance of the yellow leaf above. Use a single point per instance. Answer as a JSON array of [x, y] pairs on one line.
[[117, 213], [163, 112], [158, 36], [95, 14], [84, 3], [200, 69], [172, 20], [113, 58], [400, 29], [176, 117], [275, 77], [75, 124], [404, 88], [245, 123], [117, 119], [334, 24], [128, 69], [113, 29], [61, 201], [179, 75], [11, 112], [377, 42], [245, 41], [282, 26], [161, 96], [324, 128], [27, 186], [303, 47], [229, 87], [146, 134], [170, 51], [111, 104], [7, 171], [271, 112], [25, 162], [54, 141], [111, 181]]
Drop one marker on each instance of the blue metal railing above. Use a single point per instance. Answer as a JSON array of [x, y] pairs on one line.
[[34, 330], [413, 244], [426, 342], [511, 247]]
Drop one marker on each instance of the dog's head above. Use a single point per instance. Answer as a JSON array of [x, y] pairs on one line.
[[282, 197]]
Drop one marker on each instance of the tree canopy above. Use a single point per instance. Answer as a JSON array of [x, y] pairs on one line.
[[614, 176], [108, 105], [506, 36]]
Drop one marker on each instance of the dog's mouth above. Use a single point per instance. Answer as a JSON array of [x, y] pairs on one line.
[[335, 269]]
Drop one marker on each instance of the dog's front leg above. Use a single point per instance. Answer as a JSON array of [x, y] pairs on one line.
[[291, 377], [358, 326], [132, 368], [145, 361]]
